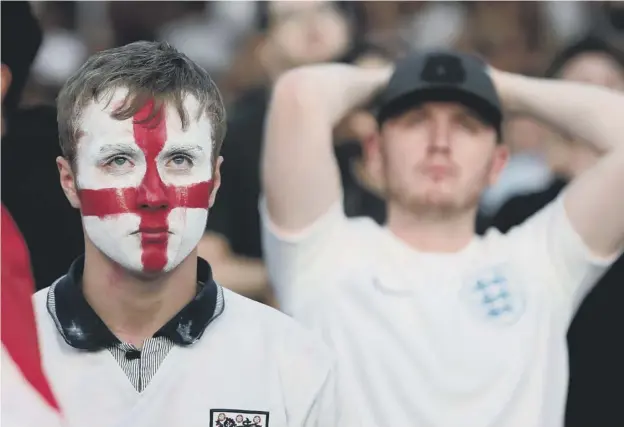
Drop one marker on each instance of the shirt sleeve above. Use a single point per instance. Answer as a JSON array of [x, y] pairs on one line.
[[549, 241], [314, 392], [303, 265], [333, 406]]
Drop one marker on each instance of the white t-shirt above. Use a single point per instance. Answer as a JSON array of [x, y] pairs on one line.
[[475, 338], [252, 361]]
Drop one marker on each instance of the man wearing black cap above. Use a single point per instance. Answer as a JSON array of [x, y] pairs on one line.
[[435, 325]]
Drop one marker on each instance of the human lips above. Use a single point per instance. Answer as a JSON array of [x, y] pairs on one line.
[[153, 235], [438, 171]]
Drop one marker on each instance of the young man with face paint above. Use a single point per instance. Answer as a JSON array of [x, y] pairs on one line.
[[438, 326], [137, 332]]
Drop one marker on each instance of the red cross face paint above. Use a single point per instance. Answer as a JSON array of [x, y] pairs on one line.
[[144, 189]]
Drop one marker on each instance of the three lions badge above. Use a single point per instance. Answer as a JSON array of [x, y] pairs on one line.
[[238, 418]]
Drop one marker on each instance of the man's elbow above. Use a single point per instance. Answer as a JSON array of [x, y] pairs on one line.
[[295, 90]]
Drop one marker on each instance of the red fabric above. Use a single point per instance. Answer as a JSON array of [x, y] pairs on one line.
[[19, 330]]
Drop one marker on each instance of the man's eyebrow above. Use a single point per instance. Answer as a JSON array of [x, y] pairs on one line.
[[469, 113], [118, 147], [184, 148]]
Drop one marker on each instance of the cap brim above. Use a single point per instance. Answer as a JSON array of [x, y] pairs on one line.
[[489, 113]]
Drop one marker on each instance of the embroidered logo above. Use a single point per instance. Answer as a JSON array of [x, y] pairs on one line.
[[492, 295], [238, 418], [443, 68]]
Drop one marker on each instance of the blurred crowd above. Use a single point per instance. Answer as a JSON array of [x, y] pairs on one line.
[[245, 45]]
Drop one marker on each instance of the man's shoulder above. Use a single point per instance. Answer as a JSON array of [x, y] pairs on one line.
[[275, 329], [40, 302], [521, 207], [41, 296], [302, 360], [250, 315], [525, 243], [365, 229]]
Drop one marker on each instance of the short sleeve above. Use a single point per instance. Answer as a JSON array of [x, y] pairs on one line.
[[549, 242], [315, 392], [303, 265], [333, 405]]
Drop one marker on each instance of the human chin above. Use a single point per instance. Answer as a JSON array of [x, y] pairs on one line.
[[114, 237], [187, 226], [436, 195], [118, 239]]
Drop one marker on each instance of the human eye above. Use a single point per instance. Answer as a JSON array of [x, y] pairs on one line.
[[414, 117], [469, 122], [180, 161], [118, 163]]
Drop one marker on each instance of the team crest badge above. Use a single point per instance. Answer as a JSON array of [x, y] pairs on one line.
[[492, 296], [238, 418]]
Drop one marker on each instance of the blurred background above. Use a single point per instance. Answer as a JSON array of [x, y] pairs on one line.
[[245, 45]]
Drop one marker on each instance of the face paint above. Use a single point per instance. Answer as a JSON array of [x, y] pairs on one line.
[[144, 188]]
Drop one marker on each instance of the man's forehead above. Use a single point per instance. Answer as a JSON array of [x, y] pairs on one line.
[[449, 107], [97, 116], [285, 8]]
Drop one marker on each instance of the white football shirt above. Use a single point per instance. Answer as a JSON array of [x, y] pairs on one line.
[[475, 338], [252, 365]]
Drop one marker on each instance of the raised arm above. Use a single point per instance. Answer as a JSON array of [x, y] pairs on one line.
[[594, 203], [300, 176]]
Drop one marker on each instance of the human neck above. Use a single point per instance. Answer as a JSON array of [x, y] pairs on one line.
[[432, 232], [133, 308]]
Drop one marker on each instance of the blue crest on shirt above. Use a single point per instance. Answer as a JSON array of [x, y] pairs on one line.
[[494, 296]]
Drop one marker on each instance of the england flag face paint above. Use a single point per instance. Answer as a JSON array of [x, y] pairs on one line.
[[144, 189]]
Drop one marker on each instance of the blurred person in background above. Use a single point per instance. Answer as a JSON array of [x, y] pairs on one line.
[[295, 33], [596, 356], [436, 325], [148, 333], [512, 36], [27, 398], [223, 26], [588, 60], [29, 143], [609, 17]]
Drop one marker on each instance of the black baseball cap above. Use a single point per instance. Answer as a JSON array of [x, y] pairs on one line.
[[441, 76]]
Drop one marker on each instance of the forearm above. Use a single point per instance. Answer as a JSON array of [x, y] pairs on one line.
[[587, 113], [300, 176], [336, 89]]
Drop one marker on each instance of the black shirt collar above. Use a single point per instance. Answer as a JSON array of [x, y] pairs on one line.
[[83, 329]]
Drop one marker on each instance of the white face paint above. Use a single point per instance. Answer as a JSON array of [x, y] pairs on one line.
[[144, 189]]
